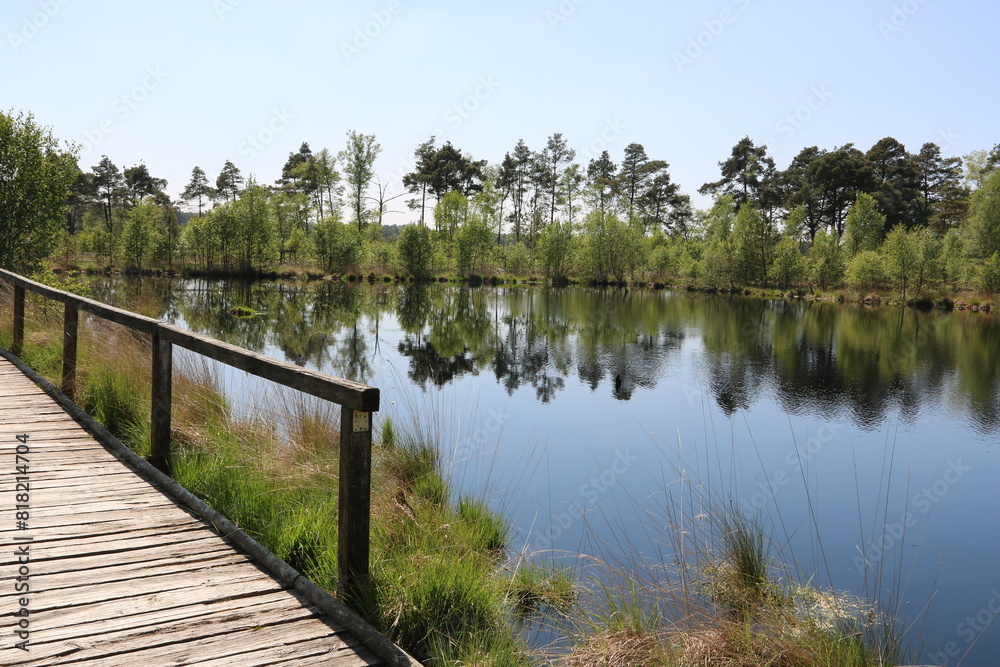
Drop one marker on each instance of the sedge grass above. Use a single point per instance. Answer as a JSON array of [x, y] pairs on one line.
[[719, 594]]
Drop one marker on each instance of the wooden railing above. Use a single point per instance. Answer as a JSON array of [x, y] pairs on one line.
[[357, 402]]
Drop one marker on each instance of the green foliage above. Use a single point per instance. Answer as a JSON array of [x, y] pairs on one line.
[[903, 256], [35, 176], [795, 224], [484, 529], [721, 219], [379, 253], [790, 264], [141, 236], [516, 259], [535, 585], [956, 269], [865, 271], [826, 264], [358, 160], [864, 227], [415, 251], [473, 246], [743, 542], [451, 213], [984, 222], [754, 238], [554, 249], [612, 248], [717, 265], [338, 245], [988, 274], [201, 241], [661, 255], [255, 235]]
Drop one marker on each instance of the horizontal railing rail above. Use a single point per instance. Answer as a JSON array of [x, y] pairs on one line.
[[357, 402]]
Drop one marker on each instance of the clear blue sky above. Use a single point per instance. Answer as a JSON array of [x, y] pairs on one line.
[[190, 82]]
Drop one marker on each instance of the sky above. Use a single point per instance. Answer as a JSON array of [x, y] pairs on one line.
[[198, 82]]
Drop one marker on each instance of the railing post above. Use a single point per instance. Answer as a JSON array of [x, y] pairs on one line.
[[71, 328], [162, 386], [353, 578], [18, 342]]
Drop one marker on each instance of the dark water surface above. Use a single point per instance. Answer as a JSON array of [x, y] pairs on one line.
[[857, 433]]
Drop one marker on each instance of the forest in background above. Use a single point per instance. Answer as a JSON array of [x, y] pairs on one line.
[[881, 219]]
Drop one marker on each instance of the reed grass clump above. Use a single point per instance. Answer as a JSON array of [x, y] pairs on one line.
[[729, 602]]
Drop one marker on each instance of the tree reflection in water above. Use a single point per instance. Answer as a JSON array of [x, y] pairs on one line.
[[817, 358]]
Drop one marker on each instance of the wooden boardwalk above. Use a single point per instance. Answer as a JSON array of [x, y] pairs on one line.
[[118, 574]]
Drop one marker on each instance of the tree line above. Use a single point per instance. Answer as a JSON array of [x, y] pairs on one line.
[[871, 219]]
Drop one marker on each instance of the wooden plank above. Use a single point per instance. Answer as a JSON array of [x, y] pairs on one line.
[[155, 650], [62, 527], [124, 559], [154, 585], [97, 497], [307, 654], [111, 576], [81, 621], [126, 550], [94, 545], [51, 505], [171, 623]]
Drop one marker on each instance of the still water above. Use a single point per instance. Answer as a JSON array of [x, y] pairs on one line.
[[856, 434]]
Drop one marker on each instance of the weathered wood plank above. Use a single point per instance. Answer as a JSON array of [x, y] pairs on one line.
[[96, 499], [94, 545], [153, 649], [59, 528], [154, 585], [110, 576], [173, 625], [83, 622], [100, 555], [307, 653]]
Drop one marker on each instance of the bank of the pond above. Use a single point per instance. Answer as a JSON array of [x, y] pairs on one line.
[[943, 300]]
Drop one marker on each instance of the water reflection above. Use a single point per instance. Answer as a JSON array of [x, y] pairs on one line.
[[817, 358]]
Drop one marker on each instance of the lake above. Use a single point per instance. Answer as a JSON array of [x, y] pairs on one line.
[[856, 434]]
